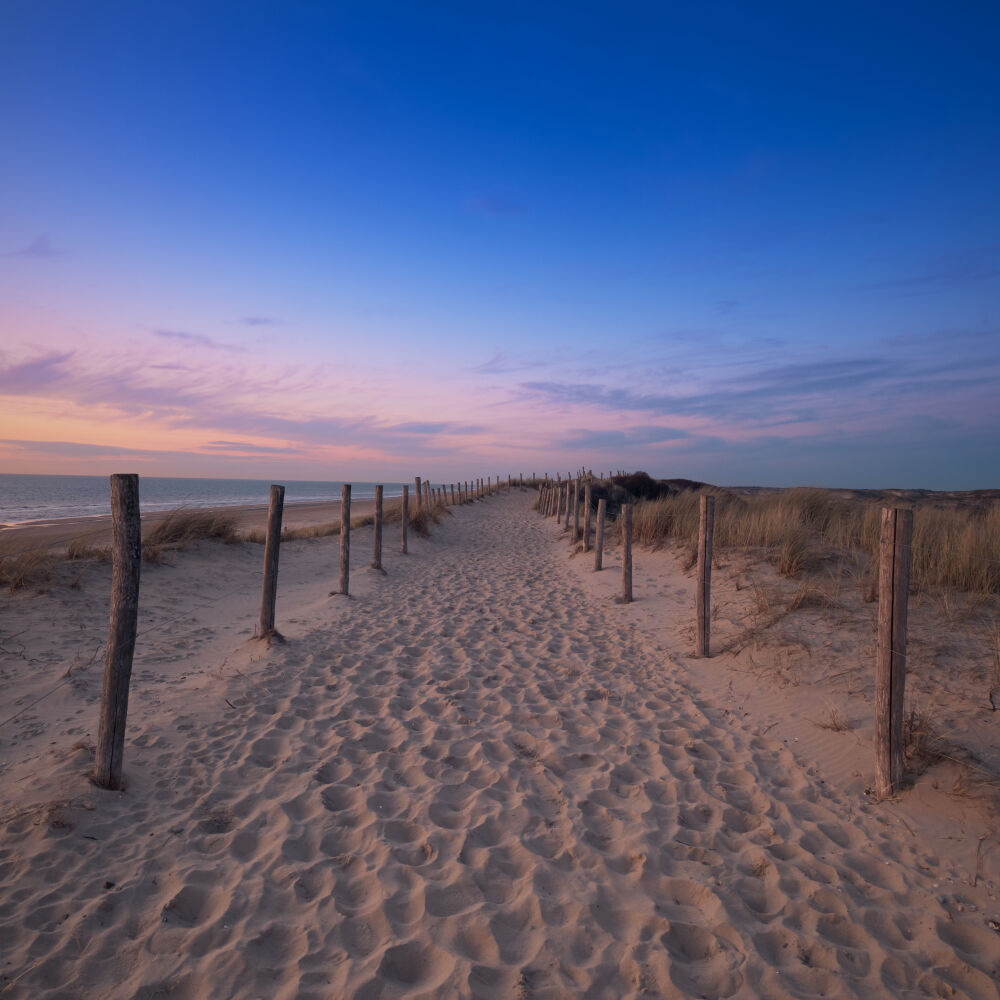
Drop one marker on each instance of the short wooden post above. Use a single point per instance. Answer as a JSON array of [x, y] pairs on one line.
[[576, 509], [406, 517], [126, 559], [890, 668], [586, 518], [345, 538], [599, 544], [453, 494], [626, 553], [417, 494], [522, 480], [706, 530], [377, 555], [271, 544]]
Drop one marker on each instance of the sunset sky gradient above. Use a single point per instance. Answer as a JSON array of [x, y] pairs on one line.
[[756, 244]]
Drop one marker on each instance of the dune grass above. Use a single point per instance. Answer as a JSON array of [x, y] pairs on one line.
[[419, 521], [953, 547], [21, 569]]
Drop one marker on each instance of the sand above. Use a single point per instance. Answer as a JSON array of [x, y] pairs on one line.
[[478, 776]]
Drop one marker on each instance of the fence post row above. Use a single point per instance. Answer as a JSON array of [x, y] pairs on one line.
[[599, 544], [345, 537], [126, 560], [272, 542], [626, 553], [890, 667], [706, 530]]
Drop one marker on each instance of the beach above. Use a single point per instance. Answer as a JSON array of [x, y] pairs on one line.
[[476, 776]]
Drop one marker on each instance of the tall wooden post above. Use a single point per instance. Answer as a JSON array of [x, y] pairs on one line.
[[599, 544], [586, 518], [271, 544], [453, 494], [706, 530], [626, 553], [406, 517], [576, 509], [126, 559], [377, 555], [416, 491], [890, 668], [345, 537]]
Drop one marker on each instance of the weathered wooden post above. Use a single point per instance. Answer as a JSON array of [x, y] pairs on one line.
[[576, 509], [890, 668], [626, 553], [508, 482], [522, 480], [345, 538], [126, 559], [377, 557], [567, 488], [599, 544], [417, 494], [706, 530], [271, 544], [406, 517], [586, 518], [453, 494]]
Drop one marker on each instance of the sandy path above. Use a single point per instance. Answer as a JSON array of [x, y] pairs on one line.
[[470, 780]]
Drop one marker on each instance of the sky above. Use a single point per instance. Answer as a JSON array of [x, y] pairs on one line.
[[750, 244]]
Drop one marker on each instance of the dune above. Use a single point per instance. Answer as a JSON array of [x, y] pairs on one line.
[[478, 776]]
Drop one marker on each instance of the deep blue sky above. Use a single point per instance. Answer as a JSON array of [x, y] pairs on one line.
[[752, 243]]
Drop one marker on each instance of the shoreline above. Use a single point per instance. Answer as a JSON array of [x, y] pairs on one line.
[[96, 529]]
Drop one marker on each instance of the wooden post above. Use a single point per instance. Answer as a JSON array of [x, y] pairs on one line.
[[890, 668], [126, 559], [626, 553], [377, 557], [599, 544], [417, 494], [576, 509], [566, 511], [345, 538], [453, 494], [406, 517], [706, 530], [522, 480], [271, 544], [586, 518]]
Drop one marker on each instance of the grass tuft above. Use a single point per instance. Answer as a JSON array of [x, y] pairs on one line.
[[27, 568], [183, 525]]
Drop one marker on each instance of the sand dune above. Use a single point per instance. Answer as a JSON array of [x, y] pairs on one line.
[[476, 777]]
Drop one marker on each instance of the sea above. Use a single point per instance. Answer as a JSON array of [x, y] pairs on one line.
[[26, 499]]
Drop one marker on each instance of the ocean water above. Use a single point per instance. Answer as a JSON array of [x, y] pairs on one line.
[[24, 499]]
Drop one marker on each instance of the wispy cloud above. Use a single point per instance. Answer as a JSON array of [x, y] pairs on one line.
[[197, 338], [961, 266], [244, 447], [259, 321], [627, 438], [37, 374], [41, 248]]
